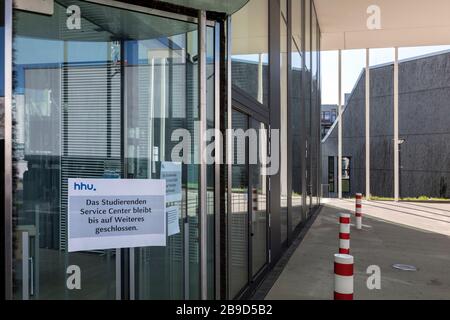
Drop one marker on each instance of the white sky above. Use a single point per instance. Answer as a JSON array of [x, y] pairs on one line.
[[353, 61]]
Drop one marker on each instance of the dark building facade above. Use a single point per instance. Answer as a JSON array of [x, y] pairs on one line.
[[328, 116], [424, 95]]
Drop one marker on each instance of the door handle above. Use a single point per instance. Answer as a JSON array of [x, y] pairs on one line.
[[25, 265], [31, 276]]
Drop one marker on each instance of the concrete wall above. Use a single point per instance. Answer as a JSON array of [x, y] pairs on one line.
[[424, 122]]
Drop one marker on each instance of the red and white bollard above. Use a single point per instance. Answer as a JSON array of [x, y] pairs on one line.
[[358, 211], [343, 277], [344, 233]]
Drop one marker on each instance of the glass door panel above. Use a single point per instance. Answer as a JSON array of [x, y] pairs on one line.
[[67, 124], [238, 222], [160, 98], [101, 97], [248, 224], [258, 208]]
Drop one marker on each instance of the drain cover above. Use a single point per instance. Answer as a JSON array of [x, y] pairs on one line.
[[404, 267]]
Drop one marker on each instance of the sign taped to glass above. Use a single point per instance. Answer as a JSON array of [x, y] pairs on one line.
[[116, 213]]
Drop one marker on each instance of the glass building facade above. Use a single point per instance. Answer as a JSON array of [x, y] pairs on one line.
[[98, 89]]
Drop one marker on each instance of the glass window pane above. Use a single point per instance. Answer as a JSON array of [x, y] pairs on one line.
[[296, 124], [103, 102], [314, 110], [67, 125], [210, 192], [284, 124], [238, 239], [259, 201], [296, 23], [283, 8], [2, 53], [250, 47]]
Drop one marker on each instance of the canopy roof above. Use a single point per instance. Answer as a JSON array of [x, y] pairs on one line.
[[227, 6], [404, 23]]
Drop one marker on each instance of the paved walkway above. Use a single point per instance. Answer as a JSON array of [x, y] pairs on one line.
[[433, 217], [407, 233]]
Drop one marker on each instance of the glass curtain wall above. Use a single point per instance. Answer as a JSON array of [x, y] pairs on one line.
[[247, 243], [100, 97], [302, 91], [2, 57], [211, 106], [2, 85], [2, 122], [315, 108], [238, 243], [259, 192], [307, 103], [304, 102], [295, 119], [284, 119], [250, 50], [318, 117]]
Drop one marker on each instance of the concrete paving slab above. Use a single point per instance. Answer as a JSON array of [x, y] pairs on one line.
[[434, 217], [309, 272]]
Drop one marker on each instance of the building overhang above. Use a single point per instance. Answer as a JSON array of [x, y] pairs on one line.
[[225, 6], [403, 23]]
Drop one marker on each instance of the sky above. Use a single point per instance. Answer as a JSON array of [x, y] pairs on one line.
[[354, 61]]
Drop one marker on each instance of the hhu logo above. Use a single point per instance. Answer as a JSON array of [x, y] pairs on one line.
[[83, 186]]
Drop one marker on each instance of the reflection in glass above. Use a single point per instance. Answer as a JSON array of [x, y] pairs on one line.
[[210, 193], [315, 109], [283, 125], [296, 23], [259, 202], [161, 80], [296, 125], [308, 104], [238, 234], [102, 102], [67, 124], [250, 47]]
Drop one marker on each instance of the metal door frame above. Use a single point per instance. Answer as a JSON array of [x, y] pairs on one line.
[[203, 20], [249, 112]]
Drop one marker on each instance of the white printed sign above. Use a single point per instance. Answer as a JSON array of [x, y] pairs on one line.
[[173, 220], [171, 172], [116, 213]]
